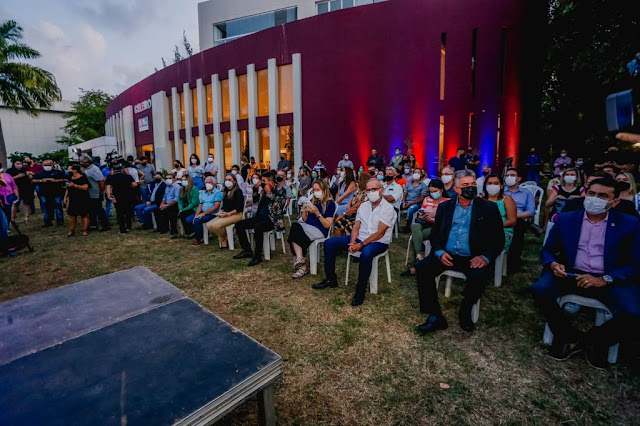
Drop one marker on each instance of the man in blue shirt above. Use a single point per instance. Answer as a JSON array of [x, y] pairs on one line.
[[533, 163], [167, 213], [467, 236], [526, 204], [458, 162]]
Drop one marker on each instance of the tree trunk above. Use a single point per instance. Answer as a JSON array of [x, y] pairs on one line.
[[3, 149]]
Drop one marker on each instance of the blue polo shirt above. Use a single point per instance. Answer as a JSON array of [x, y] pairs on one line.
[[524, 200], [172, 193], [209, 199]]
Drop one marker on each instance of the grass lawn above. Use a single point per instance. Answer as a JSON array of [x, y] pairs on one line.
[[365, 365]]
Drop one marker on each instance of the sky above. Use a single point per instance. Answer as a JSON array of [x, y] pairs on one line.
[[103, 44]]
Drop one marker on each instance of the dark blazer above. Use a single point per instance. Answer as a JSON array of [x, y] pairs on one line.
[[486, 235], [621, 244], [159, 193]]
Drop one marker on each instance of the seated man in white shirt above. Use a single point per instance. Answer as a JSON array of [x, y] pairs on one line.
[[393, 191], [371, 235]]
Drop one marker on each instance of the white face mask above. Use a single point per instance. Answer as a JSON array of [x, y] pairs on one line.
[[435, 195], [317, 194], [346, 157], [595, 205], [194, 161], [570, 179], [210, 160], [234, 172], [563, 155], [255, 181], [511, 180], [228, 183], [288, 175], [446, 178], [47, 168], [168, 182], [342, 174], [373, 196], [493, 189], [184, 182], [416, 176], [209, 186], [397, 152]]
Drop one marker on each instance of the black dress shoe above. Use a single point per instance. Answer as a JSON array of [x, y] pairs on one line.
[[244, 255], [561, 351], [406, 273], [357, 300], [326, 283], [464, 318], [254, 261], [433, 323], [596, 356]]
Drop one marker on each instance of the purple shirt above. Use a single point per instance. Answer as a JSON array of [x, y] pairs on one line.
[[11, 187], [559, 161], [590, 253]]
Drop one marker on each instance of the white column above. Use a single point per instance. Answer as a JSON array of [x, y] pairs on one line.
[[252, 94], [120, 133], [233, 104], [274, 107], [129, 130], [177, 143], [161, 143], [297, 111], [202, 117], [110, 123], [188, 121], [218, 143]]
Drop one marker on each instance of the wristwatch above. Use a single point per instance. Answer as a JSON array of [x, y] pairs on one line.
[[608, 279]]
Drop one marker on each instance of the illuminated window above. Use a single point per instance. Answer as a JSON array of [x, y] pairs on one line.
[[226, 106], [224, 32], [443, 54], [441, 139], [263, 92], [226, 137], [286, 140], [285, 86], [209, 106], [194, 103], [182, 110], [147, 151], [197, 148], [264, 148], [243, 96], [210, 145], [244, 145], [185, 154], [170, 100]]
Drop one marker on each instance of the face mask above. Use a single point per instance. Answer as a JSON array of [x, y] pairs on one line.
[[570, 179], [624, 186], [388, 178], [158, 179], [234, 172], [493, 189], [580, 163], [177, 166], [342, 174], [210, 160], [374, 196], [446, 178], [397, 152], [209, 186], [485, 173], [416, 176], [346, 157], [288, 175], [360, 170], [228, 184], [184, 183], [469, 192], [194, 161], [314, 176], [510, 180], [279, 179], [317, 194], [380, 177], [407, 171], [47, 168], [563, 155], [435, 195], [19, 167], [255, 181], [168, 182], [319, 163], [594, 205], [282, 157]]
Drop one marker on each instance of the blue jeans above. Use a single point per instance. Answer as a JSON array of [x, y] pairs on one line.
[[410, 212], [533, 174], [50, 204], [144, 193], [197, 224], [333, 246], [108, 205], [143, 212]]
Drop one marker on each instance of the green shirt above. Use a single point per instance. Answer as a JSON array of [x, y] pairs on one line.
[[191, 202]]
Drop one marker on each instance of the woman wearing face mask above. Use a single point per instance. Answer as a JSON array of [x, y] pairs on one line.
[[255, 184], [629, 199], [346, 190], [493, 191], [412, 162], [230, 212], [344, 222], [178, 169], [414, 194], [187, 203], [196, 171], [315, 220], [568, 189], [421, 228], [209, 204]]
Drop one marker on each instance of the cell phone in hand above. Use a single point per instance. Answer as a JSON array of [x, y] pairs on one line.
[[570, 274]]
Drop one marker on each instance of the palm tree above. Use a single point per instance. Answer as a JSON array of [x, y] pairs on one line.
[[22, 86]]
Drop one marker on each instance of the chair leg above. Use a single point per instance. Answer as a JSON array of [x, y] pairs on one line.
[[205, 233], [406, 260], [447, 289], [346, 279], [504, 264], [313, 258], [230, 241], [272, 240], [284, 250], [266, 252], [373, 278], [475, 312], [547, 337], [386, 258]]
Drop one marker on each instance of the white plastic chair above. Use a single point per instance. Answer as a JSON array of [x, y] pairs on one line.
[[269, 243], [603, 314], [180, 228], [427, 249], [314, 249], [546, 234], [529, 183], [537, 192], [500, 269], [451, 274], [373, 278]]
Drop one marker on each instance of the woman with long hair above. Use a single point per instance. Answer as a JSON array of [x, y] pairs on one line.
[[629, 199], [187, 203], [569, 188], [77, 200], [494, 191], [196, 171], [344, 222], [315, 220], [231, 210], [346, 190], [178, 169]]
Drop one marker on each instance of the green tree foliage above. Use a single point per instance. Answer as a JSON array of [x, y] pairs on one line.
[[590, 43], [87, 117], [177, 57], [22, 86], [187, 45]]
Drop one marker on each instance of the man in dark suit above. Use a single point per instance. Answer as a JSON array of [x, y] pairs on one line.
[[592, 252], [467, 236], [155, 194]]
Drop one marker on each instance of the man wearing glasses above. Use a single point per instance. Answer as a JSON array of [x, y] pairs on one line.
[[371, 235], [467, 236]]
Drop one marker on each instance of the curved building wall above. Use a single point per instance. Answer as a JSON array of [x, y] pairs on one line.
[[363, 78]]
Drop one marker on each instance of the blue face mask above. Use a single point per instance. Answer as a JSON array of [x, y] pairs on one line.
[[580, 163], [435, 195], [380, 177]]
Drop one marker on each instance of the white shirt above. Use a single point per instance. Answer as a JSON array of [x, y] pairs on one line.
[[394, 189], [370, 220], [133, 172], [480, 184]]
